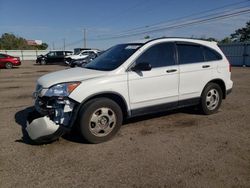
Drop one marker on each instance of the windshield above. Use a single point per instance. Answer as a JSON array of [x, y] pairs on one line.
[[85, 53], [77, 53], [113, 57]]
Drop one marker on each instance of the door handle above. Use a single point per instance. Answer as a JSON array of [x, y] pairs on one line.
[[205, 66], [171, 70]]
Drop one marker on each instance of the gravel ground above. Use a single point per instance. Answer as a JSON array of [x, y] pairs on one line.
[[176, 149]]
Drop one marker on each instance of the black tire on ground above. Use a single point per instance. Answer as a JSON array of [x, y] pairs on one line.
[[100, 119], [43, 62], [8, 65], [211, 98]]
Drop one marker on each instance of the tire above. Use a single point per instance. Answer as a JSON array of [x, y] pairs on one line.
[[100, 120], [43, 62], [8, 65], [211, 99]]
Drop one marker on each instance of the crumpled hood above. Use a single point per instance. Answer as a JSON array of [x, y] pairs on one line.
[[68, 75]]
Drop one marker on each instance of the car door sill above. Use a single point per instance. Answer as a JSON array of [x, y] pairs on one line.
[[165, 107]]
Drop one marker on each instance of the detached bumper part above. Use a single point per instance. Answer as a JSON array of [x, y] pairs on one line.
[[42, 129]]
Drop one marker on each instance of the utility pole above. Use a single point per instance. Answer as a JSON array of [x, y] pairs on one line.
[[63, 44], [84, 38], [53, 45]]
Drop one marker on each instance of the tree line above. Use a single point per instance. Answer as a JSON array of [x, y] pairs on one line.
[[9, 41], [240, 35]]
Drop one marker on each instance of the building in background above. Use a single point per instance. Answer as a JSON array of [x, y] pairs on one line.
[[34, 42]]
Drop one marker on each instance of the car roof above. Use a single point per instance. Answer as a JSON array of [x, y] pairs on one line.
[[184, 39], [60, 51]]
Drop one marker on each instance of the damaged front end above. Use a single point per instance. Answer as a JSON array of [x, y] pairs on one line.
[[54, 113]]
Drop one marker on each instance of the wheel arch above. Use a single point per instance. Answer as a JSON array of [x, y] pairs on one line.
[[222, 85], [116, 97]]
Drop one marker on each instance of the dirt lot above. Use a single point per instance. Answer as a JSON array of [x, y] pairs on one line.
[[176, 149]]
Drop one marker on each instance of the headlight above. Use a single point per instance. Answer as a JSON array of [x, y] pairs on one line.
[[62, 90]]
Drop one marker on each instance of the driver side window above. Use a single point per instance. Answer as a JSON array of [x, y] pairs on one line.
[[51, 54], [159, 55]]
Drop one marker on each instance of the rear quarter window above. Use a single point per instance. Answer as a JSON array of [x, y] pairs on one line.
[[211, 55], [190, 53]]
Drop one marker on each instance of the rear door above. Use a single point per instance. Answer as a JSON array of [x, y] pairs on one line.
[[159, 86], [60, 56], [195, 71]]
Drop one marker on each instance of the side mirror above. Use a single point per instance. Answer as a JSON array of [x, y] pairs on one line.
[[142, 67]]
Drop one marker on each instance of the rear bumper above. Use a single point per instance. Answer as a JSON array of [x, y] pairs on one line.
[[229, 91]]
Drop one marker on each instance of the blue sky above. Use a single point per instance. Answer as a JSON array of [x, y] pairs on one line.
[[52, 20]]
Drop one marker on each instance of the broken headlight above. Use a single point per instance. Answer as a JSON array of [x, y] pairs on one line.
[[62, 89]]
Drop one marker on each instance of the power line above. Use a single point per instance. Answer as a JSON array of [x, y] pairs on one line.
[[194, 22], [176, 19], [162, 27]]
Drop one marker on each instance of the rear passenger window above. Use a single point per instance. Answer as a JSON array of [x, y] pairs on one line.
[[159, 55], [59, 53], [190, 53], [211, 55]]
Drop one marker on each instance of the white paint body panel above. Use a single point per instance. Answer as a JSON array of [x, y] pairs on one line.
[[68, 75], [153, 87]]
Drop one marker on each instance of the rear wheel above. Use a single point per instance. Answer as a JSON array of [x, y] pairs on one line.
[[8, 65], [100, 120], [211, 98]]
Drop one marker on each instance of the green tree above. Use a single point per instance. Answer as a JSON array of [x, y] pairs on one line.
[[43, 46], [242, 34], [226, 40], [9, 41]]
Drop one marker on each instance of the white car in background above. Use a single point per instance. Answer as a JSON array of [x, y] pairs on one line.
[[82, 55]]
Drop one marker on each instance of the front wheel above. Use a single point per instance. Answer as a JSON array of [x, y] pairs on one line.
[[43, 62], [100, 120], [211, 98]]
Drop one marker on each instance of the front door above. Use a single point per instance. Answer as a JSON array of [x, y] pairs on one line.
[[157, 88]]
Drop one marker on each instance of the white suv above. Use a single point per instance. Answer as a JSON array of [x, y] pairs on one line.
[[82, 55], [129, 80]]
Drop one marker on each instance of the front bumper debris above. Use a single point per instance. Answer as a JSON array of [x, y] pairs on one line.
[[51, 119], [42, 129]]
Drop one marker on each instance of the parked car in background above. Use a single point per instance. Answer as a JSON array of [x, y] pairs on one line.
[[53, 57], [90, 54], [8, 61], [80, 62]]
